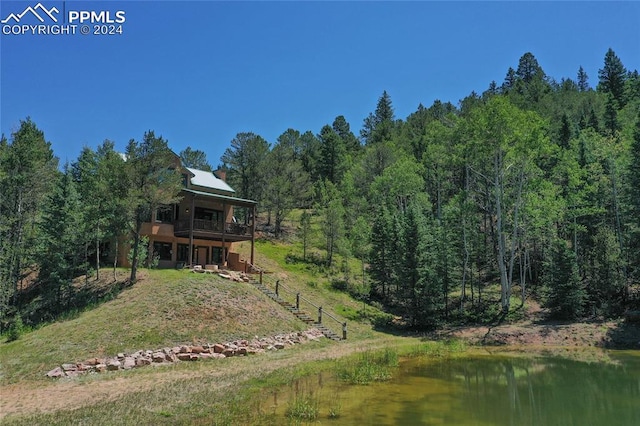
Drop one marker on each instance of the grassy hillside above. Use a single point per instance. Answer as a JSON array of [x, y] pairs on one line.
[[164, 308]]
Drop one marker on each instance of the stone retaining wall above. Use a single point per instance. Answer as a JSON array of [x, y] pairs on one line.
[[174, 354]]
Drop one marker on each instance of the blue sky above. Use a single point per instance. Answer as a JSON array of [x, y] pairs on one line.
[[199, 72]]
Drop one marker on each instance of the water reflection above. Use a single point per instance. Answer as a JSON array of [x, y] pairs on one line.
[[481, 390]]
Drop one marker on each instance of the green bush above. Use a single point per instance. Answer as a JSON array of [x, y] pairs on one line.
[[16, 329]]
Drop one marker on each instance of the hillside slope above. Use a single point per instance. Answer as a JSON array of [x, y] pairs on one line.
[[164, 308]]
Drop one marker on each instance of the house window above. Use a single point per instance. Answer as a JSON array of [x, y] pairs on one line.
[[183, 252], [162, 250], [164, 214], [208, 214], [216, 254]]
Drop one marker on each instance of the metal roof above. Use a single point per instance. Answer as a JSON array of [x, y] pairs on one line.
[[232, 200], [208, 180]]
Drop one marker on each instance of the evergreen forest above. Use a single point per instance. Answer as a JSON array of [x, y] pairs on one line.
[[530, 187]]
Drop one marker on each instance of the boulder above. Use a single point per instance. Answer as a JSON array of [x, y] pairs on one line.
[[128, 363], [113, 365], [142, 361], [56, 373], [218, 348], [184, 356]]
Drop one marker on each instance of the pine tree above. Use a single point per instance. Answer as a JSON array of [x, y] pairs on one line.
[[342, 128], [606, 281], [612, 77], [194, 158], [332, 222], [332, 155], [153, 182], [28, 168], [63, 253], [566, 295], [509, 81], [288, 185], [633, 198], [583, 80], [565, 132], [378, 126], [529, 69], [611, 116], [245, 163], [382, 254]]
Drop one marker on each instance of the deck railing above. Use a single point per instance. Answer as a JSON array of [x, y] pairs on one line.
[[231, 228]]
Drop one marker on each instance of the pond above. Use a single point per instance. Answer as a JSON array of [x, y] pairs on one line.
[[480, 389]]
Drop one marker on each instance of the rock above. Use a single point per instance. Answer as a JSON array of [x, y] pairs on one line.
[[128, 363], [184, 353], [83, 367], [113, 365], [56, 373], [142, 361], [184, 356]]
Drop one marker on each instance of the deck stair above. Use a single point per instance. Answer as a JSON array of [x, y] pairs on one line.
[[278, 296]]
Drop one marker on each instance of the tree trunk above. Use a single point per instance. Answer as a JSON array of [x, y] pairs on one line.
[[97, 258], [497, 189], [136, 248], [115, 262]]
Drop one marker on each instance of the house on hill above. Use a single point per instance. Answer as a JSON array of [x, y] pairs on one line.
[[202, 228]]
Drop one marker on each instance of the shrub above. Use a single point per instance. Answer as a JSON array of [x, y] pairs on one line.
[[16, 329]]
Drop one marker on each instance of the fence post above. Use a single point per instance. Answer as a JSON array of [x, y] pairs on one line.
[[298, 301], [320, 315], [277, 285], [344, 331], [260, 277]]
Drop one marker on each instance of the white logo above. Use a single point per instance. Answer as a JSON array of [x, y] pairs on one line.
[[34, 12]]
